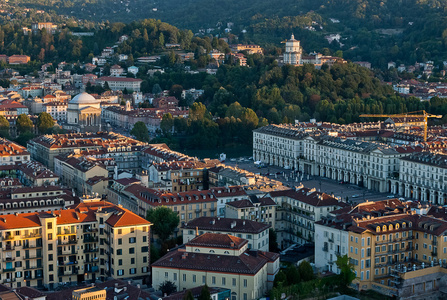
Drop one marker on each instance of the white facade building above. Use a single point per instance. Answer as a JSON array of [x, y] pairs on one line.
[[293, 52]]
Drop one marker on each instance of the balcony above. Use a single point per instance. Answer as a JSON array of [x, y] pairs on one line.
[[67, 263], [91, 239], [66, 232], [69, 242], [8, 238], [70, 252], [197, 210], [31, 246], [434, 243], [87, 230], [34, 256], [33, 267], [8, 247], [212, 209], [32, 236], [91, 250], [11, 269], [8, 280], [6, 259]]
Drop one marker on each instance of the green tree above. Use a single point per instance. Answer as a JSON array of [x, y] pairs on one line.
[[140, 132], [164, 221], [44, 122], [292, 274], [167, 288], [156, 89], [24, 137], [4, 127], [176, 91], [166, 124], [204, 293], [188, 296], [273, 243], [347, 274], [305, 270], [280, 279], [24, 124]]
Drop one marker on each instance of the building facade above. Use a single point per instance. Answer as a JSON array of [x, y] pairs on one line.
[[94, 239], [219, 260]]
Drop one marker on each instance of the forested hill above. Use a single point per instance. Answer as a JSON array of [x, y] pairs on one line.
[[404, 31]]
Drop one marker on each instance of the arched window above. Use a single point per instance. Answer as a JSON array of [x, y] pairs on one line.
[[384, 228], [378, 229]]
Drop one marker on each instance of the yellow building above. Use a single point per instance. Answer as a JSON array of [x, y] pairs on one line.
[[75, 171], [218, 260], [92, 240], [260, 210], [382, 247]]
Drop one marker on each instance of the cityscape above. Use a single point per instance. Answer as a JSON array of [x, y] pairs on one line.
[[223, 151]]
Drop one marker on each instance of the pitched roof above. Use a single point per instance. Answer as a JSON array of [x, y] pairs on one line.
[[249, 262], [217, 240], [226, 225], [309, 196]]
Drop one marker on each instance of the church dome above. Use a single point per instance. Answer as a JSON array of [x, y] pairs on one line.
[[83, 98]]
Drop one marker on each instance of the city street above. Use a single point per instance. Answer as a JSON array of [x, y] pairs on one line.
[[354, 193]]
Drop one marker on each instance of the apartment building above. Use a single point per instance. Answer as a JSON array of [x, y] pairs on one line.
[[255, 209], [297, 211], [120, 83], [228, 194], [92, 240], [180, 176], [57, 110], [18, 59], [394, 250], [219, 260], [256, 233], [367, 164], [76, 171], [331, 234], [33, 173], [12, 153], [250, 48], [124, 150], [423, 176], [139, 199], [157, 153], [278, 145]]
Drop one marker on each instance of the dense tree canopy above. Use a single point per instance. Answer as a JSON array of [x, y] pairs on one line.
[[140, 132], [164, 221]]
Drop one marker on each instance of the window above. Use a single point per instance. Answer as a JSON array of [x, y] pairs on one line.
[[213, 280], [234, 281], [120, 241], [50, 257], [131, 250], [175, 276], [193, 278], [184, 277], [119, 252], [132, 270], [120, 231], [132, 240], [245, 283], [50, 247], [203, 279], [223, 281], [120, 262], [120, 272], [49, 225], [50, 236]]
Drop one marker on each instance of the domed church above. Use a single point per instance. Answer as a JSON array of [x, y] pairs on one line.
[[84, 113]]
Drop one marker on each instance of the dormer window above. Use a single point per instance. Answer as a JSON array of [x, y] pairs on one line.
[[378, 229], [404, 225], [384, 228], [390, 227]]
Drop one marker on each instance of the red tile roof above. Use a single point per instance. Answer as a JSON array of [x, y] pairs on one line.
[[217, 240]]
